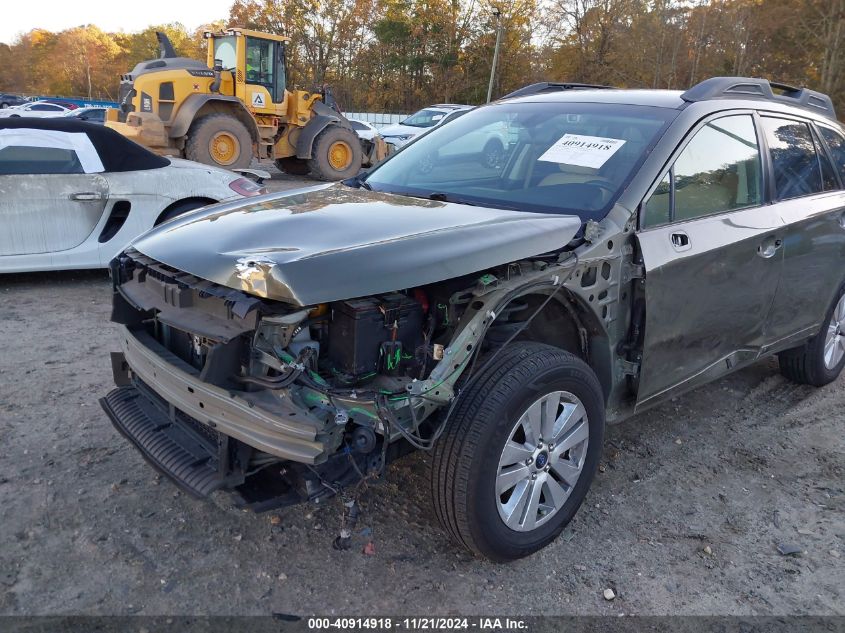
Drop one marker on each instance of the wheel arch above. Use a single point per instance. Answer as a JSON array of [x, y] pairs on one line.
[[567, 323], [324, 116], [201, 201], [197, 106]]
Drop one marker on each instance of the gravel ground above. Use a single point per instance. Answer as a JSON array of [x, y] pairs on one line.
[[685, 517]]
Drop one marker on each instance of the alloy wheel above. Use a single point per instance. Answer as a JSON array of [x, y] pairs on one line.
[[542, 460], [834, 342]]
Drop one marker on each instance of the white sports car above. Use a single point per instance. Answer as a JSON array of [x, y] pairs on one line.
[[74, 194], [36, 109]]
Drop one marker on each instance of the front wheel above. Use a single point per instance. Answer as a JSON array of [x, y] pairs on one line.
[[336, 154], [493, 153], [819, 361], [517, 459]]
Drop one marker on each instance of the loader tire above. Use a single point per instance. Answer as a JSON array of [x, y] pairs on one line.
[[336, 154], [220, 140], [293, 166]]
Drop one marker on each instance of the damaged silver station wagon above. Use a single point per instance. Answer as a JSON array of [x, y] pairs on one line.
[[623, 247]]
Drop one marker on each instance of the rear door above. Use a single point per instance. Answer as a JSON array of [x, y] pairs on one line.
[[812, 205], [48, 202], [712, 251]]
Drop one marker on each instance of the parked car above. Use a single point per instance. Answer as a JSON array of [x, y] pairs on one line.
[[73, 194], [363, 129], [400, 133], [490, 143], [91, 114], [8, 100], [35, 109], [70, 105], [633, 245]]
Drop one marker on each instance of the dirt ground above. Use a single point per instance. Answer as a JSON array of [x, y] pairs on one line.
[[686, 517]]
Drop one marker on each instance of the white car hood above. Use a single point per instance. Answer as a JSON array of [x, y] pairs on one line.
[[397, 129]]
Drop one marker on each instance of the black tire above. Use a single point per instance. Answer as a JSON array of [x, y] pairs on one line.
[[207, 128], [320, 163], [465, 462], [293, 166], [492, 154], [179, 208], [14, 116], [4, 105], [806, 364]]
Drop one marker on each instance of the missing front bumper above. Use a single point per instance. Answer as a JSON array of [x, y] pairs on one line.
[[194, 457], [270, 424], [168, 446]]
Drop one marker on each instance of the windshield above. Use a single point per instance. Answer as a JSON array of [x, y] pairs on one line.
[[424, 118], [573, 158]]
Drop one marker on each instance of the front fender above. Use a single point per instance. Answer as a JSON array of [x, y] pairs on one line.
[[193, 104], [323, 117]]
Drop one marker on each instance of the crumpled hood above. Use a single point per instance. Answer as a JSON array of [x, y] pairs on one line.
[[332, 242]]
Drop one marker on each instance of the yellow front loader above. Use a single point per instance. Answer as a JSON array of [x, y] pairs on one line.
[[236, 107]]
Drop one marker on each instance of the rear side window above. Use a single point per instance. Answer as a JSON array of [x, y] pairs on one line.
[[43, 107], [796, 163], [719, 170], [836, 145]]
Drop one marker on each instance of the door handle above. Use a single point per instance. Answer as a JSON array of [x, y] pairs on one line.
[[680, 241], [769, 247], [87, 195]]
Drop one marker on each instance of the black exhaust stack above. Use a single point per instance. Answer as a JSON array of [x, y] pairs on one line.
[[165, 48]]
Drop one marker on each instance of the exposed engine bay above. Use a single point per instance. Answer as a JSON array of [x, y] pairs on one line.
[[324, 395]]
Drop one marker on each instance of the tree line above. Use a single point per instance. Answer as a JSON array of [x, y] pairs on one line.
[[398, 55]]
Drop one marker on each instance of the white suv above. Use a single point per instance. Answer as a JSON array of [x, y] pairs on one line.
[[400, 133]]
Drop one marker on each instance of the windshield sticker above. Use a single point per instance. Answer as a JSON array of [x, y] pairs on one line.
[[583, 151]]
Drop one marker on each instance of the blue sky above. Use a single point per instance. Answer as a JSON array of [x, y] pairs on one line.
[[56, 15]]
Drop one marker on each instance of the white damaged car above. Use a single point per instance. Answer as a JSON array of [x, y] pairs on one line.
[[74, 194]]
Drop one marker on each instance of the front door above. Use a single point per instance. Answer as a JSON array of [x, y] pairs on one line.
[[45, 213], [712, 252]]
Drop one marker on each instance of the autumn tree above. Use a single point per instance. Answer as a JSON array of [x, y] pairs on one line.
[[399, 55]]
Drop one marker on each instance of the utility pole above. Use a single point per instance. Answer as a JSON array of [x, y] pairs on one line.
[[498, 15]]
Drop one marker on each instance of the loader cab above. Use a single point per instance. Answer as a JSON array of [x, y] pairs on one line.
[[256, 64]]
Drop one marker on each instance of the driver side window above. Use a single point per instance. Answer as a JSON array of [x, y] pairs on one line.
[[719, 170], [259, 62]]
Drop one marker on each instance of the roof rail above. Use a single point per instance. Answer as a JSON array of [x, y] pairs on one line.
[[754, 88], [548, 86]]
